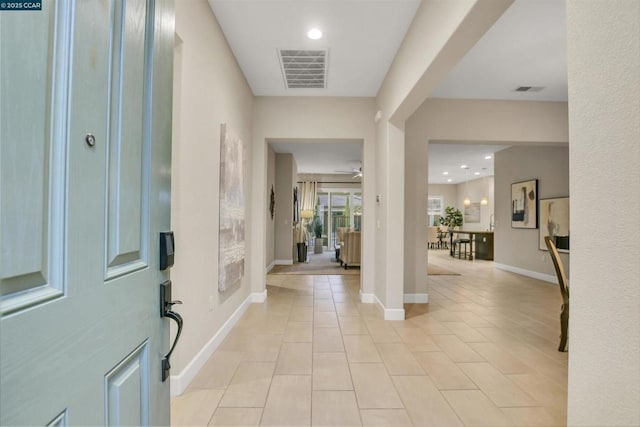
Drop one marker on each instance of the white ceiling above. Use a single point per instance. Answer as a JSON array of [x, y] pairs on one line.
[[526, 47], [450, 157], [362, 37], [322, 157]]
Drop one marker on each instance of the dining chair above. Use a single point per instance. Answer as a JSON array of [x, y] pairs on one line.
[[564, 291], [432, 237]]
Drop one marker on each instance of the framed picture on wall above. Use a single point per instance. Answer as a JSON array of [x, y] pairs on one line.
[[554, 222], [472, 213], [524, 204]]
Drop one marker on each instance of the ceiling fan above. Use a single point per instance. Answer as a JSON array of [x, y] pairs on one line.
[[357, 172]]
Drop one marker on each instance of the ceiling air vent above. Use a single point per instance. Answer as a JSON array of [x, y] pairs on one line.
[[304, 69], [529, 89]]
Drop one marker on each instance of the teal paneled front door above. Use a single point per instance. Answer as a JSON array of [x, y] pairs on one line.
[[85, 128]]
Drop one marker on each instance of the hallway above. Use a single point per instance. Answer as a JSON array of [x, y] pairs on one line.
[[483, 352]]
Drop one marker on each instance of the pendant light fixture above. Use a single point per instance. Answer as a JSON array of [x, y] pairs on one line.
[[467, 199], [485, 200]]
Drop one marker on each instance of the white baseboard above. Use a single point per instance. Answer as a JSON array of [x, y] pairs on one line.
[[416, 298], [367, 298], [180, 382], [259, 297], [394, 314], [283, 262], [391, 313], [534, 274], [269, 267]]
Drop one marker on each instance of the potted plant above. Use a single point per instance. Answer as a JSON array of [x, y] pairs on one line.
[[317, 228], [452, 218]]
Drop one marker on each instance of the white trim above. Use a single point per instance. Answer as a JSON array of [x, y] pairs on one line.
[[259, 297], [391, 313], [270, 267], [534, 274], [283, 262], [180, 382], [416, 298], [394, 314], [367, 298]]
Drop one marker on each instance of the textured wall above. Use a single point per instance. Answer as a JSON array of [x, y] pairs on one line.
[[211, 90], [604, 116]]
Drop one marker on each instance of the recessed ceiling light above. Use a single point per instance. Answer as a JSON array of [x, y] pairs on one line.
[[476, 173], [464, 166], [449, 180], [314, 34], [488, 157], [445, 173]]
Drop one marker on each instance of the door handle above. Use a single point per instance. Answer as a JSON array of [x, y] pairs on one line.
[[165, 311]]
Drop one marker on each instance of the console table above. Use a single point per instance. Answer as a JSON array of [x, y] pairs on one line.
[[483, 241]]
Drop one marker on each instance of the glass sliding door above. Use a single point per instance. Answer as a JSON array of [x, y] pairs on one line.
[[356, 210], [339, 213], [339, 209], [323, 213]]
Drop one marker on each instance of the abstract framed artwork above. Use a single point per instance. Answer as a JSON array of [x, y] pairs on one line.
[[231, 241], [554, 222], [524, 204], [472, 213]]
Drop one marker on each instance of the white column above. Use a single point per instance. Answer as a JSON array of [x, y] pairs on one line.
[[394, 305], [604, 127]]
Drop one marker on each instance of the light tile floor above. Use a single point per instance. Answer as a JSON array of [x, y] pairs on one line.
[[483, 352]]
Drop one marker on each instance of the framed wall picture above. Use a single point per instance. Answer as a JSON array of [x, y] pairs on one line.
[[524, 204], [554, 222], [231, 241], [472, 213]]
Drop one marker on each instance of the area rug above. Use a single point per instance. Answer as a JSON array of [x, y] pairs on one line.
[[318, 264], [335, 271], [434, 270]]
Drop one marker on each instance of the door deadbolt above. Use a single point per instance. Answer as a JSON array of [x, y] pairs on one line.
[[90, 140]]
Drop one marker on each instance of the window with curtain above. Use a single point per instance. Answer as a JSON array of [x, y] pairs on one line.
[[308, 195]]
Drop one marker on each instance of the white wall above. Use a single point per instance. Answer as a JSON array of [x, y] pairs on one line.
[[270, 242], [517, 247], [285, 182], [604, 112], [212, 90], [303, 118]]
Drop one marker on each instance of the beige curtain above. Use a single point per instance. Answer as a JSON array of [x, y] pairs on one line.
[[308, 195]]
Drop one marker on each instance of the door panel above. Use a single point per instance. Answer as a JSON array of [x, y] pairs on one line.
[[31, 221], [128, 146], [127, 390], [91, 353]]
